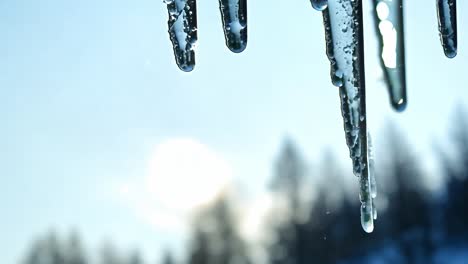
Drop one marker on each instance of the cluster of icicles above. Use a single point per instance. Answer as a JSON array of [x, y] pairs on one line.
[[345, 50], [183, 28]]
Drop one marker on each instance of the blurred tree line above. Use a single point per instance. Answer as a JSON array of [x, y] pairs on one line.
[[323, 225]]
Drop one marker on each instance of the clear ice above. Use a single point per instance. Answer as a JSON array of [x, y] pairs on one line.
[[234, 17], [319, 5], [447, 14], [182, 25], [373, 182], [390, 27], [345, 50]]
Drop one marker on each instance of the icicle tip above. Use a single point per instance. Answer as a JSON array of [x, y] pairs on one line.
[[399, 105], [186, 68], [237, 47]]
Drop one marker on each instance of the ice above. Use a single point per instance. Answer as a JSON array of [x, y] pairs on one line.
[[345, 50], [234, 17], [374, 210], [367, 218], [373, 182], [319, 5], [390, 30], [447, 14], [343, 34], [368, 213], [182, 25]]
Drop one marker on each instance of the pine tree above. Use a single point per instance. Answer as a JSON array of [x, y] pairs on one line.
[[216, 239], [456, 170], [75, 253], [168, 258], [408, 213], [287, 183]]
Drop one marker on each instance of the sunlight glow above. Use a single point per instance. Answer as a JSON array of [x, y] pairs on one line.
[[382, 11], [389, 36], [185, 174], [182, 175]]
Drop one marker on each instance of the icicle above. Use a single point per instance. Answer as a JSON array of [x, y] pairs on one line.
[[447, 14], [183, 31], [390, 28], [345, 50], [234, 17], [343, 34]]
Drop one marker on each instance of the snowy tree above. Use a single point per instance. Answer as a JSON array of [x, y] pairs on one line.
[[169, 259], [135, 258], [456, 170], [75, 253], [288, 177], [408, 212], [109, 255], [216, 238]]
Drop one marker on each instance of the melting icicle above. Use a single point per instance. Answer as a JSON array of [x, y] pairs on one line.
[[234, 17], [183, 31], [390, 28], [447, 13], [345, 50]]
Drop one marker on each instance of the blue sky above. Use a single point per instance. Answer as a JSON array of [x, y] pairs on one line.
[[89, 89]]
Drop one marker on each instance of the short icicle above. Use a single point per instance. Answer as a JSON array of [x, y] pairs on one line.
[[447, 14], [182, 25], [389, 25], [234, 17]]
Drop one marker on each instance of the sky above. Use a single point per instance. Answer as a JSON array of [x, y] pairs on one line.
[[97, 118]]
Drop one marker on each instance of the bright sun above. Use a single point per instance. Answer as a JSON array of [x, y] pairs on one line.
[[185, 174]]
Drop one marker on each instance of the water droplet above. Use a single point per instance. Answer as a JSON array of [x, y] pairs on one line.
[[319, 5], [367, 219]]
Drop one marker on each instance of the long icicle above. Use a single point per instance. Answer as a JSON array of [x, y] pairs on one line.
[[345, 50], [234, 17], [182, 30], [389, 24], [447, 14]]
